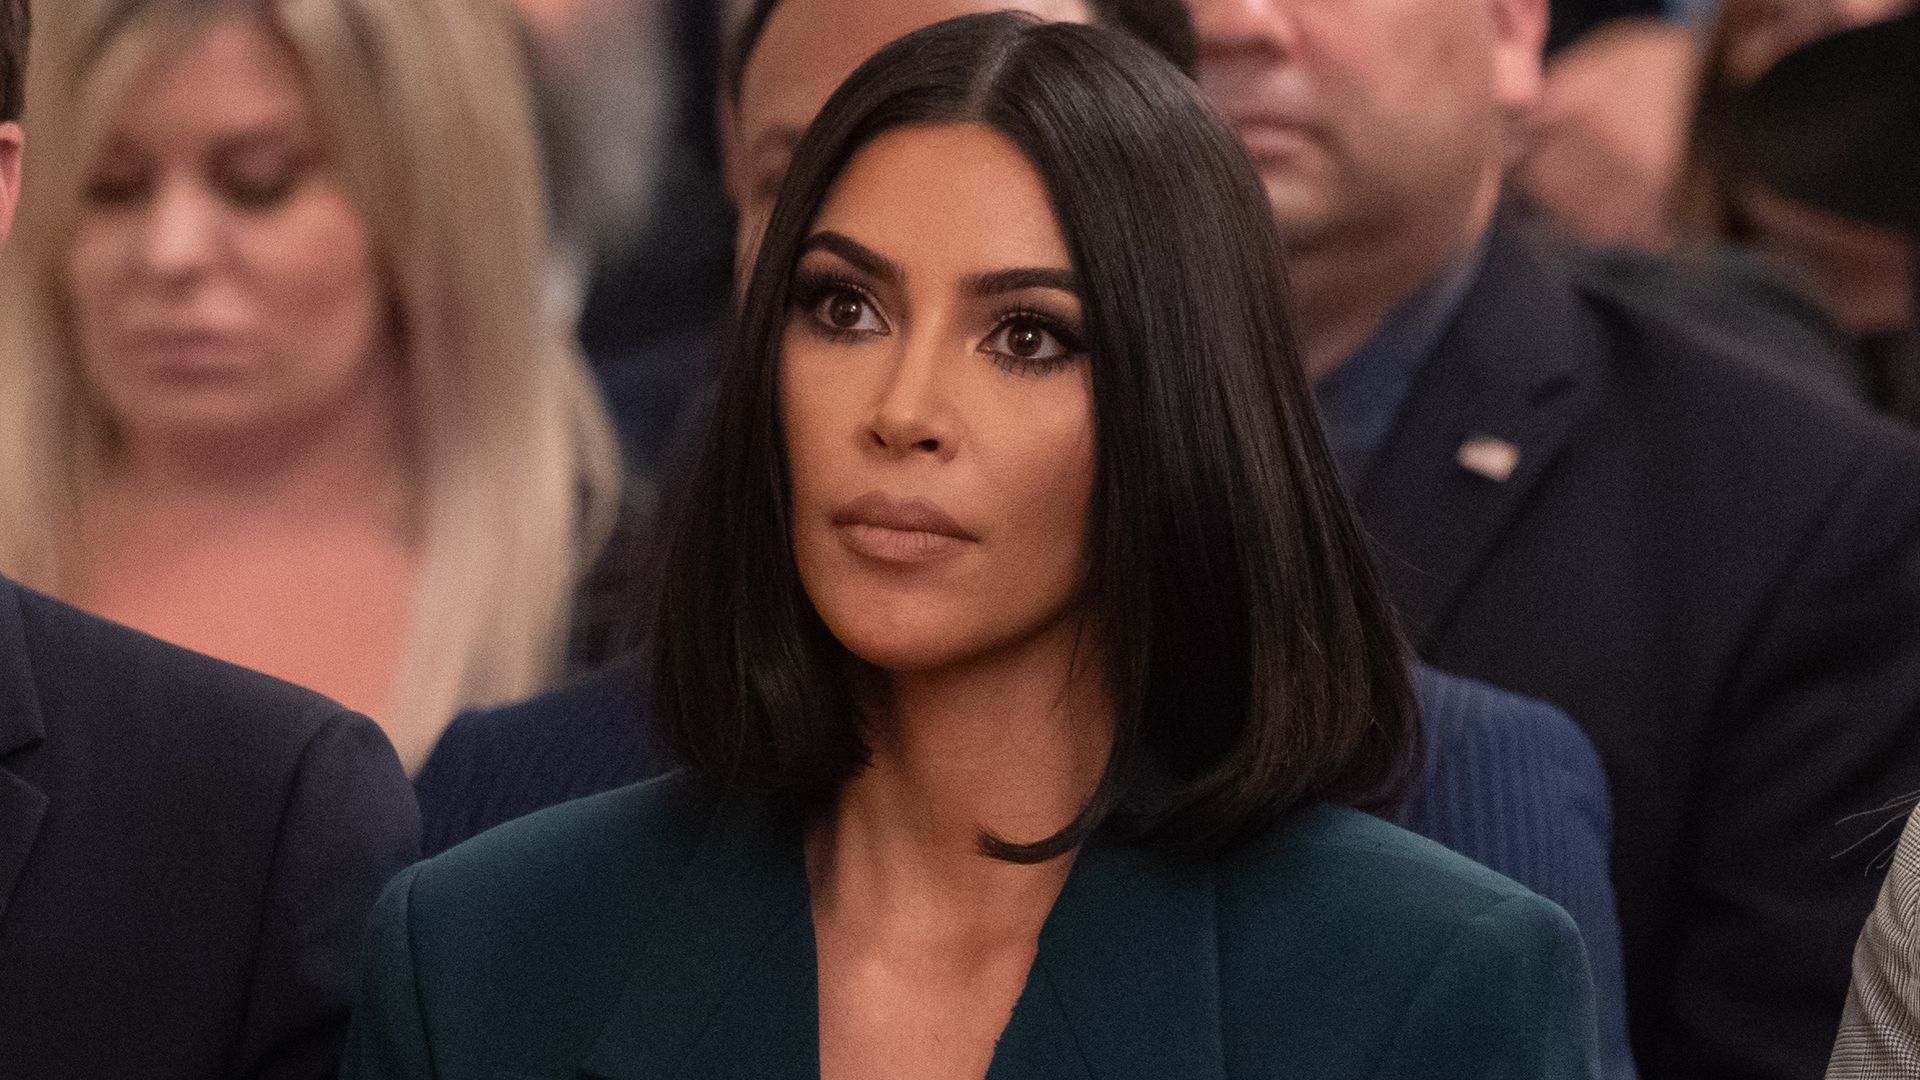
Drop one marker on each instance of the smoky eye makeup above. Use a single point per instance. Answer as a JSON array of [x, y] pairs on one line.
[[835, 305], [1031, 340]]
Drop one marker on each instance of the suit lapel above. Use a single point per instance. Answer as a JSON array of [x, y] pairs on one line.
[[22, 805], [725, 985], [1126, 982], [1491, 413]]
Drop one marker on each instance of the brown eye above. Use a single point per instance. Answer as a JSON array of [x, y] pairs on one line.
[[1026, 341], [847, 311], [843, 311], [1030, 341]]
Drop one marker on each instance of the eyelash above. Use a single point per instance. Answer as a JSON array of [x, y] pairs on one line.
[[810, 290]]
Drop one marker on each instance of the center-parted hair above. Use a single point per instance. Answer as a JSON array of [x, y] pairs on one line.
[[1253, 662]]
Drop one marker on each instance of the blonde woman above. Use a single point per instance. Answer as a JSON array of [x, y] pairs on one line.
[[277, 379]]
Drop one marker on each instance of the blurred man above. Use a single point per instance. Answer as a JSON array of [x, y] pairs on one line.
[[188, 851], [801, 50], [1716, 572]]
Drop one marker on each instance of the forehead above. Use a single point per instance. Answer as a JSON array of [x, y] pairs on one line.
[[809, 47], [236, 74], [946, 201]]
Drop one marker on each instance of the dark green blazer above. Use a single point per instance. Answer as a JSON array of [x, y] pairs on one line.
[[651, 932]]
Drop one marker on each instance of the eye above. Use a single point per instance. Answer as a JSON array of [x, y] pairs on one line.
[[247, 193], [117, 188], [258, 185], [1031, 344], [842, 309]]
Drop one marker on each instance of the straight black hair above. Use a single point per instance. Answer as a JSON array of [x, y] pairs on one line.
[[1254, 664], [1165, 26], [15, 21]]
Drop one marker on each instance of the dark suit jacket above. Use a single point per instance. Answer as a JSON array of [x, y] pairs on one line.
[[1509, 782], [650, 932], [1716, 571], [188, 853]]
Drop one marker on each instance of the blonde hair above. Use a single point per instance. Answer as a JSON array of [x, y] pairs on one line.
[[515, 470]]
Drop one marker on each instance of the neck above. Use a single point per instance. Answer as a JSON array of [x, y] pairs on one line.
[[1013, 745], [351, 461], [1346, 282]]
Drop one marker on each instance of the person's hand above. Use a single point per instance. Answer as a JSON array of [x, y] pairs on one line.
[[1601, 148]]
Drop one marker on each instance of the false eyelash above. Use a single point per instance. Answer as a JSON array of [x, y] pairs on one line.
[[1069, 340], [810, 288]]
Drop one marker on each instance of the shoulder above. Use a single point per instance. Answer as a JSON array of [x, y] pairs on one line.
[[493, 765], [581, 872], [1340, 899], [1469, 723], [523, 938], [1380, 875], [1365, 896], [111, 694], [1675, 403]]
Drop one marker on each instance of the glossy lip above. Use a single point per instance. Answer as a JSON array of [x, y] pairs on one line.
[[899, 530]]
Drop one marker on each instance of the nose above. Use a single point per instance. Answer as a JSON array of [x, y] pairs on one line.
[[180, 234], [912, 414], [1231, 28]]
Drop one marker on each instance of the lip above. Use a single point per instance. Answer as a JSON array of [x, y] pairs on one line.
[[184, 352], [892, 529], [1273, 134]]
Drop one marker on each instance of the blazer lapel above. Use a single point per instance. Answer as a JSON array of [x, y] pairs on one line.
[[725, 984], [22, 805], [1126, 982], [1491, 413]]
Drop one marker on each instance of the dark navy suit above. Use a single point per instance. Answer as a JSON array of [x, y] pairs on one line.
[[188, 852], [1715, 570]]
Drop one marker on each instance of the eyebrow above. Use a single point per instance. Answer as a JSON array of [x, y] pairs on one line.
[[991, 283]]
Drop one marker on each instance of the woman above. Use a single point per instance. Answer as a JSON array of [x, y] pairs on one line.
[[278, 378], [1860, 276], [1021, 651]]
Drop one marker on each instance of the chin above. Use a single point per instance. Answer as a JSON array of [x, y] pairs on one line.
[[896, 640]]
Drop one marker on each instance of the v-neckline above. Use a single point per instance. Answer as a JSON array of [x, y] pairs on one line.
[[1124, 981]]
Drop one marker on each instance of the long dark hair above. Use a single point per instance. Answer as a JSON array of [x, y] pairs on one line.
[[1253, 662]]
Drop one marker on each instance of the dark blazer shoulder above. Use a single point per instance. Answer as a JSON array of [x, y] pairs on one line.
[[1467, 974], [166, 703], [228, 828], [1381, 873], [549, 913]]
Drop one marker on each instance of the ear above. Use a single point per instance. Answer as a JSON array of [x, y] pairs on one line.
[[11, 140], [1519, 38]]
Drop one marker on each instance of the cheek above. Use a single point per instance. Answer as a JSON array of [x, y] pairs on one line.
[[95, 266], [1044, 471], [820, 417], [311, 271]]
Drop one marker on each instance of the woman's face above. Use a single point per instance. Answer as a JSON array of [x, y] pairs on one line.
[[220, 280], [937, 404]]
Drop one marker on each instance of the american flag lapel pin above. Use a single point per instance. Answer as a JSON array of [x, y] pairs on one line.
[[1488, 456]]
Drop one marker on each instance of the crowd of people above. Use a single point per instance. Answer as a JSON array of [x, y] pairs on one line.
[[957, 538]]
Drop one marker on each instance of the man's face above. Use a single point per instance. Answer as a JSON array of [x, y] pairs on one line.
[[9, 175], [1364, 116], [807, 50]]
